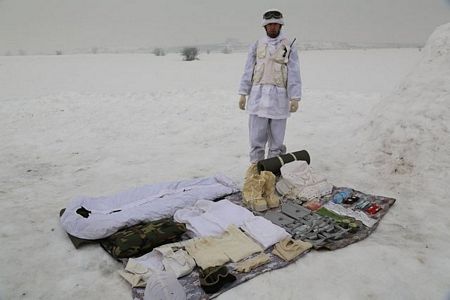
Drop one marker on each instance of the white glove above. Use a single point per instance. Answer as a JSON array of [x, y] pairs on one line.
[[293, 105], [242, 101]]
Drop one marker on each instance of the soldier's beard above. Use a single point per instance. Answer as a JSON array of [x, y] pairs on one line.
[[273, 34]]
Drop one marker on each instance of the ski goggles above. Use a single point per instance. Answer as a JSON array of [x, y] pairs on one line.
[[273, 14]]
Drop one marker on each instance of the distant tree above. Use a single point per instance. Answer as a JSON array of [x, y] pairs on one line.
[[8, 53], [227, 49], [189, 53], [208, 51], [94, 50], [58, 52], [22, 52], [159, 52]]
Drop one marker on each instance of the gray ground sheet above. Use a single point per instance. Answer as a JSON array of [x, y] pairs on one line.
[[191, 282]]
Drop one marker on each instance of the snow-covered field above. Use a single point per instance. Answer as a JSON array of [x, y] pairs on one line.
[[374, 120]]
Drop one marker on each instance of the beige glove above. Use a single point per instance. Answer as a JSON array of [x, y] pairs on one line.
[[242, 102], [293, 105]]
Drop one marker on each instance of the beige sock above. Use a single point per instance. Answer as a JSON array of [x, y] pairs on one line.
[[136, 280], [288, 249], [252, 263]]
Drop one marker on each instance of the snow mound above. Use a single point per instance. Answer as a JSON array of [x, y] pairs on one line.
[[409, 130]]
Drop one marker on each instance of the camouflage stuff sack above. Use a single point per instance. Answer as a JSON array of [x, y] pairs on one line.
[[139, 239]]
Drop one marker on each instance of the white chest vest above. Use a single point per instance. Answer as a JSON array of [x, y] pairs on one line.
[[271, 68]]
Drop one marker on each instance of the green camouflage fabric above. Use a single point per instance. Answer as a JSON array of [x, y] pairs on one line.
[[343, 221], [140, 239]]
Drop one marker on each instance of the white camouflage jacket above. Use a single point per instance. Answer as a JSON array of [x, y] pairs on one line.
[[266, 100]]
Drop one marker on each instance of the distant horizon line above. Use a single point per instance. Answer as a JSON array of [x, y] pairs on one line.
[[212, 48]]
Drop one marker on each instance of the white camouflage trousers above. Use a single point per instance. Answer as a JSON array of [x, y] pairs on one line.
[[264, 131]]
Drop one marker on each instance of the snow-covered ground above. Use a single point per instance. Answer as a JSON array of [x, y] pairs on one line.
[[374, 120]]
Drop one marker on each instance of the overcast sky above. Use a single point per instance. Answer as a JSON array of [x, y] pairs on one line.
[[43, 25]]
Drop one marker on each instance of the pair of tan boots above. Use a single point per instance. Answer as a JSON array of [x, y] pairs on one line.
[[259, 190]]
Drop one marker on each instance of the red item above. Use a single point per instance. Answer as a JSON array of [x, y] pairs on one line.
[[313, 205], [373, 209]]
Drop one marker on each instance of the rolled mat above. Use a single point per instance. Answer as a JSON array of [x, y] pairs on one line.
[[274, 164]]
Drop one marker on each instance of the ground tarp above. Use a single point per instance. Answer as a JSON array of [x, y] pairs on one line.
[[191, 282]]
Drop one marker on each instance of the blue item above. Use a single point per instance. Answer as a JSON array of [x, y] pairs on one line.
[[342, 195]]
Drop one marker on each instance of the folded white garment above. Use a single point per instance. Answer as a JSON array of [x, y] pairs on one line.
[[299, 181], [308, 192], [300, 173], [264, 232], [207, 218], [162, 258], [179, 262], [196, 222], [151, 260], [136, 274]]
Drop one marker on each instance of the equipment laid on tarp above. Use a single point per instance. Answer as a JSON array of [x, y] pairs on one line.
[[325, 240], [335, 220]]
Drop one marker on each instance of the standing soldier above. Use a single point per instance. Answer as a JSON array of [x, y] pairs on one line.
[[271, 80]]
